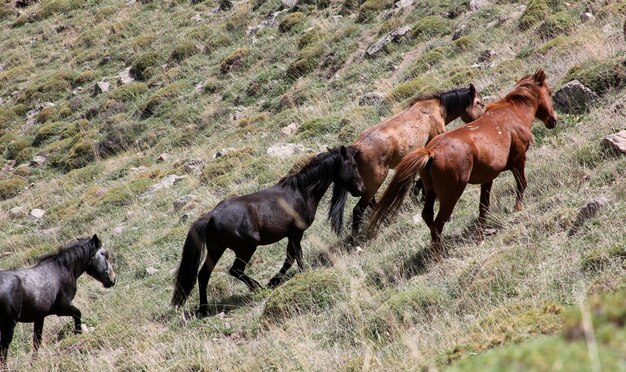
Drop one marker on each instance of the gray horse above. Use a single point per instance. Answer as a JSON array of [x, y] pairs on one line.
[[48, 288]]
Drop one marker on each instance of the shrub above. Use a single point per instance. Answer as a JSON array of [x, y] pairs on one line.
[[15, 146], [159, 97], [80, 154], [465, 43], [431, 26], [600, 75], [413, 88], [292, 22], [310, 291], [427, 60], [50, 7], [308, 59], [25, 155], [557, 24], [370, 9], [143, 66], [535, 12], [45, 114], [319, 126], [183, 51], [234, 61], [11, 187], [84, 77], [120, 134], [128, 92]]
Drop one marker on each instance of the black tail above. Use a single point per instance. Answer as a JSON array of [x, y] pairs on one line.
[[187, 272]]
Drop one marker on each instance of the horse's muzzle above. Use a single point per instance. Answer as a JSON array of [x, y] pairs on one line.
[[551, 123]]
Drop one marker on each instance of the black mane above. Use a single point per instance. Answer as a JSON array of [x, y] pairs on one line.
[[71, 255], [319, 171], [455, 101]]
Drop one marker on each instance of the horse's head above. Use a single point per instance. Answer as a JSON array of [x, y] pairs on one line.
[[545, 111], [476, 108], [99, 266], [348, 176]]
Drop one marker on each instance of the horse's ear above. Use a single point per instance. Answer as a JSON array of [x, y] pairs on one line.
[[472, 90], [540, 76], [96, 241], [344, 151]]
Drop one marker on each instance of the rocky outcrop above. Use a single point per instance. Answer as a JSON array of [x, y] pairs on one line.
[[285, 150], [573, 97], [616, 142], [394, 35]]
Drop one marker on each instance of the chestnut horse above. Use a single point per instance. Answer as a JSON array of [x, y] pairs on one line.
[[381, 147], [475, 153]]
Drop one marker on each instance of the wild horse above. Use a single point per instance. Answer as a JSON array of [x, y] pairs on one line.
[[48, 288], [383, 146], [242, 223], [475, 153]]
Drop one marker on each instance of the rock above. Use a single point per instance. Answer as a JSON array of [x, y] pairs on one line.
[[223, 152], [17, 212], [165, 183], [393, 35], [135, 170], [267, 22], [151, 270], [487, 55], [36, 214], [461, 30], [118, 230], [8, 167], [106, 59], [371, 99], [194, 166], [180, 203], [24, 3], [616, 142], [607, 29], [198, 87], [573, 97], [402, 4], [31, 120], [185, 217], [588, 211], [38, 161], [289, 3], [586, 17], [477, 4], [125, 77], [287, 149], [163, 157], [290, 129], [100, 87]]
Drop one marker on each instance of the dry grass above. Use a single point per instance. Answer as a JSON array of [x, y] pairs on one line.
[[395, 313]]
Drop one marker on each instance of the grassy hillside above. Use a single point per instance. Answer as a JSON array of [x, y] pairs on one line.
[[530, 296]]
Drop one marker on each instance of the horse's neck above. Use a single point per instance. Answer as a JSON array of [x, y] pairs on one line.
[[317, 193]]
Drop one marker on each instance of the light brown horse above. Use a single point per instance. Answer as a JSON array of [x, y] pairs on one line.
[[381, 147], [475, 153]]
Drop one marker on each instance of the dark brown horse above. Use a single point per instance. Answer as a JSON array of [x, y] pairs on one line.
[[243, 223], [48, 288], [383, 146], [475, 153]]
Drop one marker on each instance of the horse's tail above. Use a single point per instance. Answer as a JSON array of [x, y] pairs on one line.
[[194, 252], [399, 186]]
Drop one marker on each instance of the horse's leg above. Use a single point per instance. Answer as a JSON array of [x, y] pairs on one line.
[[447, 201], [419, 186], [428, 213], [37, 332], [294, 252], [520, 178], [214, 253], [374, 175], [6, 336], [242, 257], [483, 209], [71, 310]]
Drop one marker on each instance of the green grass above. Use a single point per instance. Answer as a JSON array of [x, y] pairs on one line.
[[203, 85]]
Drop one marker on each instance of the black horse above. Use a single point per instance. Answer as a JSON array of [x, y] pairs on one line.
[[242, 223], [48, 288]]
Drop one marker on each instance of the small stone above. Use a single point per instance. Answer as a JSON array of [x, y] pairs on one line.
[[151, 270], [163, 157], [194, 166], [607, 29], [101, 87], [17, 212], [588, 211], [223, 152], [573, 97], [106, 59], [289, 3], [461, 30], [287, 149], [371, 99], [185, 217], [394, 35], [290, 129], [38, 161], [125, 77], [118, 230], [477, 4], [180, 203], [165, 183], [402, 4], [198, 87], [586, 17], [36, 214], [616, 142]]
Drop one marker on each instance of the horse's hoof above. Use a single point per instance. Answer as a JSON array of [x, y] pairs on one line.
[[202, 312], [275, 282]]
